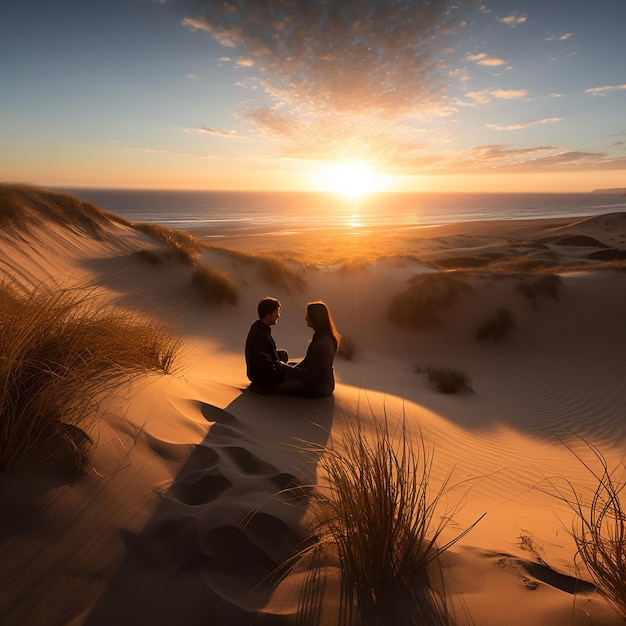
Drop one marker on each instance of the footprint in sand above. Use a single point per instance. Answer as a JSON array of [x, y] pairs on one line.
[[247, 462], [200, 487]]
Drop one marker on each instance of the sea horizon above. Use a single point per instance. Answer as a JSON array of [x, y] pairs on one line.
[[241, 212]]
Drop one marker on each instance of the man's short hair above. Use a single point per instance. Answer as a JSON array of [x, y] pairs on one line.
[[266, 306]]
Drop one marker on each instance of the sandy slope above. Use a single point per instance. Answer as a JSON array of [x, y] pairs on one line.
[[178, 521]]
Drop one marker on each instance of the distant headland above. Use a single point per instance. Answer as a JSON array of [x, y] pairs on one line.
[[616, 190]]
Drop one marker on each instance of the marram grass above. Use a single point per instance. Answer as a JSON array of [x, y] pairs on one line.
[[599, 526], [61, 353], [381, 516]]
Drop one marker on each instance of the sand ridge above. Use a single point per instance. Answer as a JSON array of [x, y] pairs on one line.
[[189, 505]]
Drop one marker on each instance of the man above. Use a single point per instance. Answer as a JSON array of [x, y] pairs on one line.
[[261, 353]]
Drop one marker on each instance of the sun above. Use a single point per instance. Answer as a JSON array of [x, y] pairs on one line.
[[352, 179]]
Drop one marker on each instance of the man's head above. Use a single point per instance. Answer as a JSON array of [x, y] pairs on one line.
[[269, 310]]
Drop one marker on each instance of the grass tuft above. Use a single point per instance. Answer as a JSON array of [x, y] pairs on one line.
[[496, 327], [428, 297], [445, 379], [61, 353], [544, 285], [23, 206], [184, 247], [272, 268], [599, 527], [378, 515], [215, 286]]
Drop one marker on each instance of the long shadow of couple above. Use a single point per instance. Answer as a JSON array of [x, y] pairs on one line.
[[228, 520]]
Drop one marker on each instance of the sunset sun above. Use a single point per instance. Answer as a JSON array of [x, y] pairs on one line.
[[351, 179]]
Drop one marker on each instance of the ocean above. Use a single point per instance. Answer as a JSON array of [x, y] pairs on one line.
[[240, 213]]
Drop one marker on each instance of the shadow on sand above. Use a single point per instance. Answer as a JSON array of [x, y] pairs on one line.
[[209, 552]]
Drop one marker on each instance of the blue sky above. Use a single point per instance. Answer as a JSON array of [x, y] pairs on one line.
[[277, 94]]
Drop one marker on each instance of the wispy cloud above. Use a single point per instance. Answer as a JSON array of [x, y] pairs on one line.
[[342, 55], [563, 37], [521, 125], [216, 132], [510, 94], [602, 91], [503, 158], [485, 59], [176, 153], [484, 96], [512, 20], [332, 71]]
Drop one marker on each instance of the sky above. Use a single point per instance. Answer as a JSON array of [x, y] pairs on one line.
[[393, 95]]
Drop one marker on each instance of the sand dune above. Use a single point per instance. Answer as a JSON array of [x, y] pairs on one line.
[[191, 499]]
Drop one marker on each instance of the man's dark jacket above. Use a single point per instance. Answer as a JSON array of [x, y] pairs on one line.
[[260, 343]]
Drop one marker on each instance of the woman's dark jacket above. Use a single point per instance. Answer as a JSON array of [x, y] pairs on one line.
[[317, 366]]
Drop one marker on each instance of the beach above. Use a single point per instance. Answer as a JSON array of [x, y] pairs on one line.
[[194, 493]]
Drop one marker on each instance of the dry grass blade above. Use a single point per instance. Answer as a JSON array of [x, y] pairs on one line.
[[61, 352], [186, 248], [214, 285], [599, 528], [380, 516]]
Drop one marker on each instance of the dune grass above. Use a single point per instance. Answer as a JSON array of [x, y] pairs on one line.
[[23, 206], [61, 353], [599, 526], [214, 285], [183, 247], [428, 297], [446, 379], [378, 514], [497, 327], [546, 285], [271, 268]]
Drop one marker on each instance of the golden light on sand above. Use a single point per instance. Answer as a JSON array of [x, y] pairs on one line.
[[352, 179]]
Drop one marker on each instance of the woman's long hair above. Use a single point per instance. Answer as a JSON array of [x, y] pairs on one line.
[[321, 321]]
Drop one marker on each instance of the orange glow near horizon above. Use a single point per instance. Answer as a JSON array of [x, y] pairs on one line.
[[352, 179]]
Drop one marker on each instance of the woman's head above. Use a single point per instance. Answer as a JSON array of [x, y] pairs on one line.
[[321, 321]]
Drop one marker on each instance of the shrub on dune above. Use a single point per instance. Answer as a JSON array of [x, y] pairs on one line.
[[496, 327], [215, 285], [427, 298], [543, 285], [184, 247], [378, 515], [271, 268], [446, 379], [61, 353], [465, 262], [599, 528]]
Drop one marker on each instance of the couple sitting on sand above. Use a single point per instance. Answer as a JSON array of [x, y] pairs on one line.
[[268, 368]]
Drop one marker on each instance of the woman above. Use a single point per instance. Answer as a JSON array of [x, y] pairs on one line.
[[314, 377]]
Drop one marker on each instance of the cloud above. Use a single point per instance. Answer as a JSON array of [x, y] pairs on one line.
[[212, 131], [510, 94], [602, 91], [563, 37], [346, 56], [512, 20], [499, 158], [142, 149], [339, 78], [519, 126], [485, 59]]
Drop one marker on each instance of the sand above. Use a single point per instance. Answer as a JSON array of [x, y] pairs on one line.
[[181, 517]]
